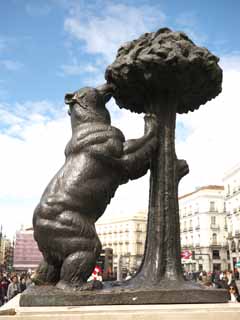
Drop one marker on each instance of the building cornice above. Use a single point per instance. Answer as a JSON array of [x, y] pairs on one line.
[[209, 187]]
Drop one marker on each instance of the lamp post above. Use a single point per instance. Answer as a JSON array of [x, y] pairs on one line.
[[119, 267]]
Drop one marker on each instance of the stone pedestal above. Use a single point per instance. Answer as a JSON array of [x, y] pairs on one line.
[[51, 296], [228, 311]]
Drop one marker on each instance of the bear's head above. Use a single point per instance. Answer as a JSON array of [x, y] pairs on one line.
[[88, 105]]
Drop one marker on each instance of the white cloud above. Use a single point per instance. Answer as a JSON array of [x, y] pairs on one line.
[[11, 65], [188, 23], [36, 9], [3, 44], [133, 196], [113, 25], [212, 145], [78, 69], [32, 149]]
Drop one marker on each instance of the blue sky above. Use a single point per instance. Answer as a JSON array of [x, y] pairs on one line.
[[38, 45], [51, 47]]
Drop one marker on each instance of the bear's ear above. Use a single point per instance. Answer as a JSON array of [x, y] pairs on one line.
[[69, 98]]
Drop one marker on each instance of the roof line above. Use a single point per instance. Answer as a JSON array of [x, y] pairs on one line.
[[211, 187]]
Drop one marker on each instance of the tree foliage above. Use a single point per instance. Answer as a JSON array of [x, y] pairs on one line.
[[163, 64]]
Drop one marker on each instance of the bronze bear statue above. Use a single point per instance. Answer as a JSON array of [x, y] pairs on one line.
[[98, 160]]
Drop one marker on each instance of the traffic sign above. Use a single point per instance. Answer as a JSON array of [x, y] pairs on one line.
[[186, 254]]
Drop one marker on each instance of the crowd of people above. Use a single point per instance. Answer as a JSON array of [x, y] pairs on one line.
[[12, 284], [218, 279]]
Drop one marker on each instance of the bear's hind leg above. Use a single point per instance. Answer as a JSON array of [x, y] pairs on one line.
[[47, 273], [76, 269]]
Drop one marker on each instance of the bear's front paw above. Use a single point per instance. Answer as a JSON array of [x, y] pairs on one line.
[[151, 123]]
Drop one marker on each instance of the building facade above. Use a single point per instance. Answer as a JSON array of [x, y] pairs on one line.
[[6, 254], [204, 229], [231, 182], [126, 236], [26, 253], [2, 247]]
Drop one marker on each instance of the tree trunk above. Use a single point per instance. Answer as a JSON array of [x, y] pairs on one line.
[[162, 257]]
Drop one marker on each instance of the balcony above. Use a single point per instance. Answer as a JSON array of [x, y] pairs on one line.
[[214, 243], [197, 227], [185, 229], [237, 233], [214, 226], [230, 235], [216, 257], [197, 245], [190, 229]]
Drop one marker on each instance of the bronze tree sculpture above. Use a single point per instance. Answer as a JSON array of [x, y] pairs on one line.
[[98, 160], [164, 73]]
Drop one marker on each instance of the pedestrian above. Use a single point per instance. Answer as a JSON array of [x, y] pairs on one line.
[[223, 281], [4, 284], [1, 290], [236, 274], [13, 288], [233, 294], [29, 282], [23, 283], [231, 281]]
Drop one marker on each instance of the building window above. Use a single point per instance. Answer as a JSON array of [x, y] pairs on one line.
[[212, 206], [216, 266], [190, 210], [228, 190], [190, 225], [196, 208], [233, 246], [215, 254], [197, 227], [185, 226], [213, 220], [228, 254], [193, 255], [214, 238]]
